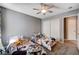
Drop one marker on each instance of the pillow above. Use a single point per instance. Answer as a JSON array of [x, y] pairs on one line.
[[13, 39]]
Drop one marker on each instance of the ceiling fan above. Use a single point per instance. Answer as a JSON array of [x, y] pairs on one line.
[[44, 8]]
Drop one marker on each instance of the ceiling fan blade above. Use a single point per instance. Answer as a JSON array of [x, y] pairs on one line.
[[38, 12], [44, 13], [50, 11], [35, 9], [52, 6]]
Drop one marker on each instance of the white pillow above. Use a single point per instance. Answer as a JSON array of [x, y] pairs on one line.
[[13, 39]]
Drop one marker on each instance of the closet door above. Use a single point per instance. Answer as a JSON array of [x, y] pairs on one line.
[[46, 27], [55, 28], [71, 28]]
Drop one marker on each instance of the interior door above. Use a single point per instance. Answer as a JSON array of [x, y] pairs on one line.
[[55, 28], [71, 28]]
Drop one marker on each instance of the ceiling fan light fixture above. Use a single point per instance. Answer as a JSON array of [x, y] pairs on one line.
[[43, 11], [45, 8]]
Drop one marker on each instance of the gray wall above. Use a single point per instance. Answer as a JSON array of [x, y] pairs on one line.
[[15, 23], [0, 31], [78, 32]]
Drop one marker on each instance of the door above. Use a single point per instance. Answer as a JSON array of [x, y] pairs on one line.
[[55, 28], [70, 28], [46, 27]]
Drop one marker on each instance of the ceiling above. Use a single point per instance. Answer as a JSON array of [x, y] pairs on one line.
[[27, 8]]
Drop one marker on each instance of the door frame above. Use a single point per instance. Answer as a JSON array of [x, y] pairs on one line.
[[62, 25]]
